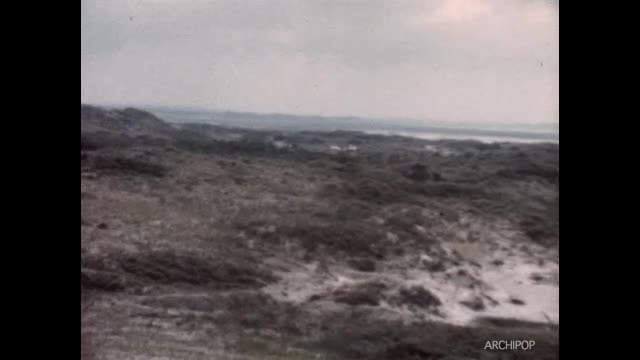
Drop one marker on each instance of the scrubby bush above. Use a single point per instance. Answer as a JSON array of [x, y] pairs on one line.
[[353, 238], [190, 268], [128, 165], [539, 229]]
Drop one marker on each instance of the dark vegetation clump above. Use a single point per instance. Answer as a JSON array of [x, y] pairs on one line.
[[516, 301], [415, 296], [250, 147], [509, 323], [541, 165], [475, 304], [101, 139], [358, 337], [190, 268], [404, 223], [449, 189], [101, 280], [98, 274], [258, 145], [388, 188], [369, 293], [245, 308], [171, 267], [420, 172], [375, 191], [344, 237], [353, 210], [437, 266], [129, 166], [362, 264], [410, 351], [541, 229], [536, 277]]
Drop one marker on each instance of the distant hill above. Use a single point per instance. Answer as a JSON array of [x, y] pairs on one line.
[[286, 122], [129, 121]]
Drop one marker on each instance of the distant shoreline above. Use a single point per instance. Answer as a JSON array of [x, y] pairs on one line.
[[281, 122], [463, 136]]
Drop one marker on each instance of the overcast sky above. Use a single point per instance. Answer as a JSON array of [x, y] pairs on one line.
[[451, 60]]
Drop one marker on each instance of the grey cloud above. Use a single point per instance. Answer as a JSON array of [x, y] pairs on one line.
[[474, 60]]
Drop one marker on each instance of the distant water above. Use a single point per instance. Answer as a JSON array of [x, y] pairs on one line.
[[530, 139]]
